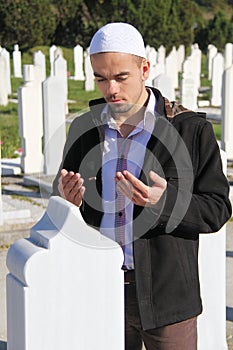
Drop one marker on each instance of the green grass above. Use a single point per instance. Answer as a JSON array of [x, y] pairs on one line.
[[217, 130]]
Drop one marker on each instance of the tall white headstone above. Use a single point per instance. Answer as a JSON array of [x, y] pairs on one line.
[[228, 55], [212, 52], [52, 50], [89, 76], [227, 112], [31, 119], [39, 60], [1, 209], [78, 63], [212, 270], [172, 67], [189, 88], [164, 84], [152, 57], [3, 82], [65, 289], [6, 54], [17, 65], [196, 57], [181, 57], [60, 71], [216, 81], [54, 106]]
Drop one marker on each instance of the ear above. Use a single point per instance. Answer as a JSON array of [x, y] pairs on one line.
[[145, 69]]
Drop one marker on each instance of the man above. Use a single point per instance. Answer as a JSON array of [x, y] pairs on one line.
[[146, 173]]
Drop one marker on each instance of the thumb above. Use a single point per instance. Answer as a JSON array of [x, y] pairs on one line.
[[158, 180]]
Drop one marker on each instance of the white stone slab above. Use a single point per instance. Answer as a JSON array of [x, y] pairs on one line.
[[17, 65], [52, 50], [39, 60], [31, 119], [227, 112], [152, 57], [6, 54], [1, 208], [54, 106], [212, 52], [78, 63], [164, 84], [189, 88], [228, 55], [65, 289], [172, 67], [216, 81], [90, 79], [212, 270], [3, 82]]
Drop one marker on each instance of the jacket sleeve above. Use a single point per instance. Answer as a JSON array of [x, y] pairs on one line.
[[206, 206]]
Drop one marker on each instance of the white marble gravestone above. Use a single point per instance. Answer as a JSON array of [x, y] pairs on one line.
[[181, 57], [54, 107], [78, 63], [172, 67], [60, 72], [3, 82], [212, 271], [31, 119], [227, 112], [212, 52], [6, 54], [152, 57], [39, 60], [89, 76], [189, 88], [196, 57], [164, 84], [17, 65], [65, 287], [216, 80], [1, 209], [228, 55], [52, 50]]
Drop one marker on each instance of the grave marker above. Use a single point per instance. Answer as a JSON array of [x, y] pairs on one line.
[[172, 67], [3, 82], [65, 284], [212, 52], [227, 112], [78, 63], [54, 106], [6, 54], [31, 119], [90, 79], [164, 84], [212, 271], [189, 88], [17, 62], [39, 60], [216, 81]]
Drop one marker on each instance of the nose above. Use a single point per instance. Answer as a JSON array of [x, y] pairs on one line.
[[113, 87]]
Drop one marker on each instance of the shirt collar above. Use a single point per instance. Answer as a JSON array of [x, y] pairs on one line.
[[148, 120]]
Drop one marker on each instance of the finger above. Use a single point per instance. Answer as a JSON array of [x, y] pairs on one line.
[[70, 180], [157, 180], [136, 183]]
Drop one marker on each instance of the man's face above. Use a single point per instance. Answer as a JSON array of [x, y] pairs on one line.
[[120, 78]]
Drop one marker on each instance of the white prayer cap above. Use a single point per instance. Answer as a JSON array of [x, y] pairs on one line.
[[118, 37]]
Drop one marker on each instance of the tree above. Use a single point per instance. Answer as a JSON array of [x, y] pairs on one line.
[[218, 31], [28, 23]]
